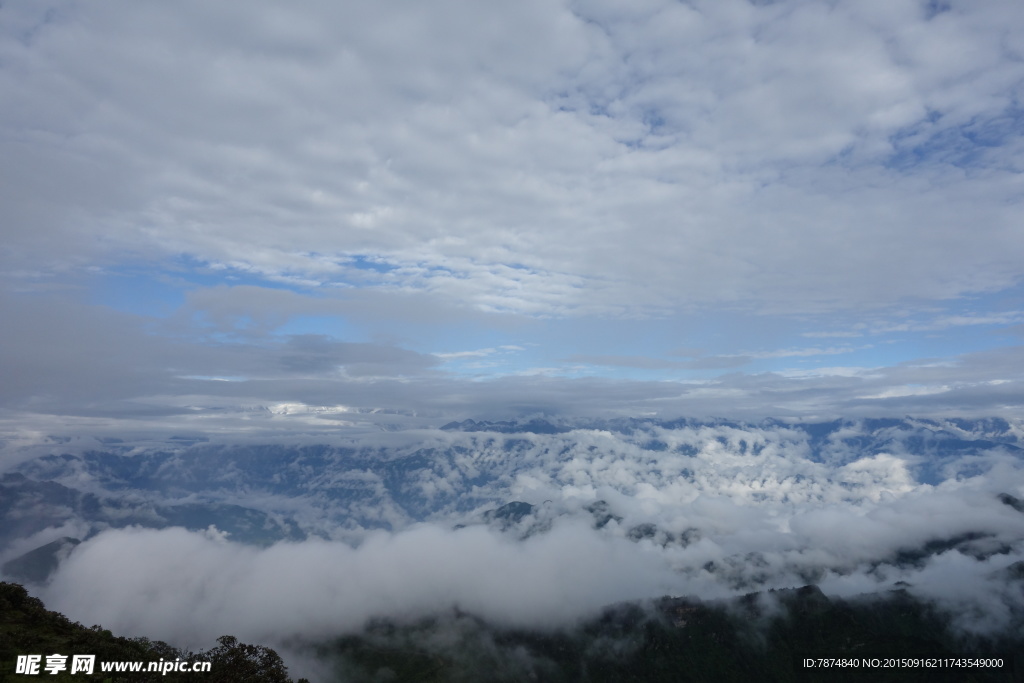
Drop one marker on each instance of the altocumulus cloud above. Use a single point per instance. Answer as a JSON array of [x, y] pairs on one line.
[[245, 183], [672, 154]]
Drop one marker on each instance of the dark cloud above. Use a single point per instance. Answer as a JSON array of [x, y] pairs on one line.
[[320, 355], [83, 360]]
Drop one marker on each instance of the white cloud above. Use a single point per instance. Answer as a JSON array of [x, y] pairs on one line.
[[395, 181], [764, 156], [479, 353], [760, 512], [319, 588], [897, 392]]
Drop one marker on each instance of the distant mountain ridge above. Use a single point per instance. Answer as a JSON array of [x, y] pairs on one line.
[[470, 455], [515, 477]]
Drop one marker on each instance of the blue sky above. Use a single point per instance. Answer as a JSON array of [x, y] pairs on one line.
[[448, 209]]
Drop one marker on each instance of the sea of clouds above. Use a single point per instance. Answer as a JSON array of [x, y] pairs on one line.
[[704, 509]]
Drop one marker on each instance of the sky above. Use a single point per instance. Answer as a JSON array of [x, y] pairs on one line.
[[246, 218]]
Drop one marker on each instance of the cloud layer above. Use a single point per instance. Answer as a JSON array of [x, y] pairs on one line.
[[624, 512], [206, 211], [768, 155]]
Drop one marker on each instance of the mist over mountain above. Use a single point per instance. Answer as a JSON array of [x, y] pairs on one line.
[[759, 636], [531, 524]]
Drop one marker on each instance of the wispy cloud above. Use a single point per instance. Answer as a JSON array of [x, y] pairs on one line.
[[643, 362]]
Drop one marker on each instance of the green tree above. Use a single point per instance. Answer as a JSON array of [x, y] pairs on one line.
[[235, 662]]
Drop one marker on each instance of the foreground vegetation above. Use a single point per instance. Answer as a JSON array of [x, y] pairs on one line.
[[762, 636], [27, 627]]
